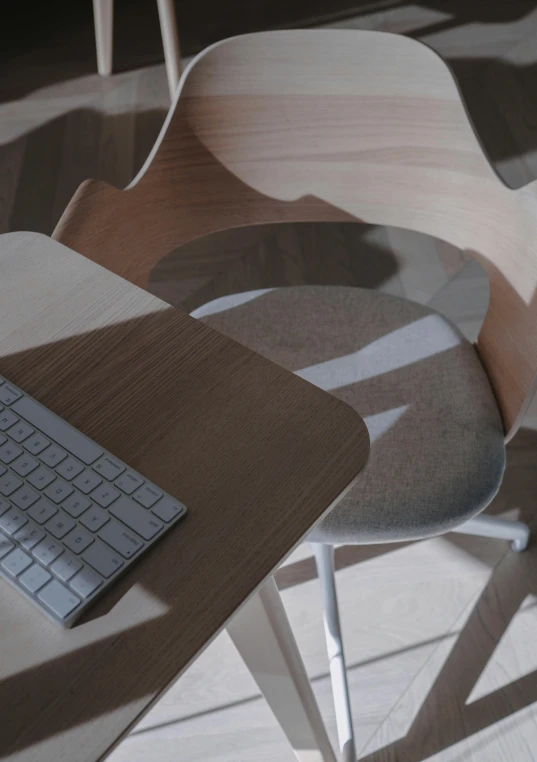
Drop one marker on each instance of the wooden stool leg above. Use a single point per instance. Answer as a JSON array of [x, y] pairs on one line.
[[170, 43], [103, 18], [262, 635]]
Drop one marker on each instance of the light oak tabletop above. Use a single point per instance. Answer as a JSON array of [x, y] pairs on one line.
[[257, 454]]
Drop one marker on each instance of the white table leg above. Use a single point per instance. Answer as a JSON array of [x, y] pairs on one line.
[[262, 635]]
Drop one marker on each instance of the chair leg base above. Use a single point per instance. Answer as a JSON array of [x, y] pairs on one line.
[[519, 545], [503, 529]]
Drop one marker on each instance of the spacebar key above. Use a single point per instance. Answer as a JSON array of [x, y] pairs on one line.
[[60, 431]]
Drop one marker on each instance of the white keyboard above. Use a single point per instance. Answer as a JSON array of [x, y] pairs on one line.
[[72, 517]]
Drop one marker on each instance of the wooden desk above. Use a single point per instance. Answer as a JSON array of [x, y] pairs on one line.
[[257, 454]]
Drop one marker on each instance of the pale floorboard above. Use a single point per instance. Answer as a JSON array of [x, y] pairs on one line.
[[440, 635]]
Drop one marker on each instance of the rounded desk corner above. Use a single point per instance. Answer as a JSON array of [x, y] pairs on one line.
[[361, 435]]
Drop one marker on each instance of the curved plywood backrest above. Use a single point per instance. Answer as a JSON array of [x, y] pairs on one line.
[[327, 125]]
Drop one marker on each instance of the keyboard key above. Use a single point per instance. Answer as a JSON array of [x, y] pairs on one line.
[[20, 431], [69, 469], [102, 559], [58, 491], [36, 444], [8, 394], [47, 551], [87, 481], [129, 482], [108, 515], [9, 452], [58, 599], [66, 566], [12, 520], [41, 478], [108, 468], [52, 456], [121, 539], [42, 511], [75, 504], [58, 430], [9, 483], [34, 578], [104, 495], [24, 497], [147, 496], [7, 419], [94, 518], [78, 540], [85, 582], [143, 522], [59, 525], [29, 536], [16, 562], [168, 509], [24, 465], [5, 546]]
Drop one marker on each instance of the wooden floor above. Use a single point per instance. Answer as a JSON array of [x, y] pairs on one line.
[[441, 635]]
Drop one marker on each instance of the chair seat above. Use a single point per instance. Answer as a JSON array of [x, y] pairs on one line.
[[437, 441]]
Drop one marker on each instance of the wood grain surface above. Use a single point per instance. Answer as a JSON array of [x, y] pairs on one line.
[[257, 454], [403, 608], [327, 125]]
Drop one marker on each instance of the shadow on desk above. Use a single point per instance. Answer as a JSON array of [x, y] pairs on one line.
[[215, 575], [189, 429]]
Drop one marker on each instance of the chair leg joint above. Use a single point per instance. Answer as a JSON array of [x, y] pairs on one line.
[[503, 529]]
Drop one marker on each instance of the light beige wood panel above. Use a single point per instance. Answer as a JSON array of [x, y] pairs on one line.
[[328, 125], [257, 454]]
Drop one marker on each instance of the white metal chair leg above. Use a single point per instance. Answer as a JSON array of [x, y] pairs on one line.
[[103, 18], [170, 43], [501, 529], [262, 635], [324, 559]]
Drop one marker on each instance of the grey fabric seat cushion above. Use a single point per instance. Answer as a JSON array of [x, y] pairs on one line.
[[437, 444]]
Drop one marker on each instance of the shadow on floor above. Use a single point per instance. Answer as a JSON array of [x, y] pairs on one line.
[[42, 195], [45, 166], [43, 43], [445, 717]]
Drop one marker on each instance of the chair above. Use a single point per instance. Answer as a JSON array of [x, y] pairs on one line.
[[103, 17], [332, 125]]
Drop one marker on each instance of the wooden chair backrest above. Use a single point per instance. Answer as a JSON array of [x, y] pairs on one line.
[[327, 125]]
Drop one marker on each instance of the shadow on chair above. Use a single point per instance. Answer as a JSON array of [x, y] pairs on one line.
[[512, 581]]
